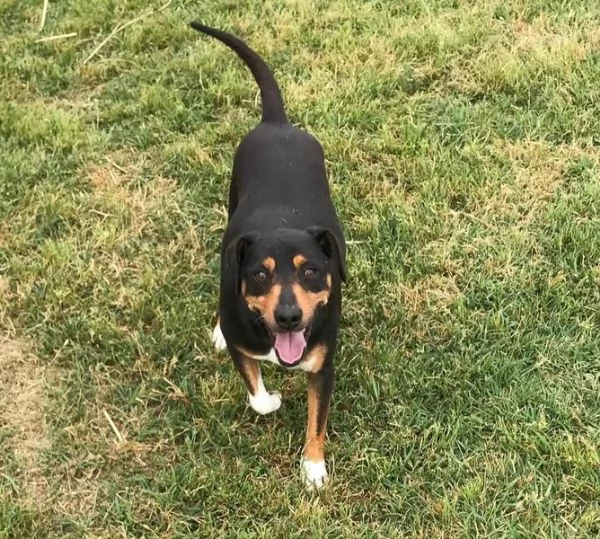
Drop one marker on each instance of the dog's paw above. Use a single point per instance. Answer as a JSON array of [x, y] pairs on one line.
[[314, 474], [218, 339], [265, 403]]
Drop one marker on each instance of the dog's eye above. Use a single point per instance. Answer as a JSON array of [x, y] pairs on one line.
[[310, 273], [260, 276]]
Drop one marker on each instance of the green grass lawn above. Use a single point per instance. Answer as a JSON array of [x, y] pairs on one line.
[[463, 145]]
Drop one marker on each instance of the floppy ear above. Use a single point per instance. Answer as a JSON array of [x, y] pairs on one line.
[[331, 246], [234, 255]]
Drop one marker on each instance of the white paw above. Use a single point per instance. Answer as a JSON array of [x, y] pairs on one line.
[[218, 339], [314, 473], [265, 403]]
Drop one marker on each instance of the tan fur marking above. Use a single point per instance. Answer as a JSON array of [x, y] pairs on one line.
[[309, 301], [315, 442], [269, 263], [265, 305], [315, 358], [298, 260], [329, 280], [251, 371]]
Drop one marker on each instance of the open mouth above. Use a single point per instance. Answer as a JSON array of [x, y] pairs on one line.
[[290, 345]]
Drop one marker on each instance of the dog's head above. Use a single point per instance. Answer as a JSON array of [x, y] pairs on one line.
[[285, 277]]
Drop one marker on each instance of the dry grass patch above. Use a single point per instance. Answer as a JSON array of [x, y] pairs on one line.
[[537, 175], [506, 211], [129, 205], [529, 51], [545, 43], [113, 186], [434, 293], [538, 169], [102, 440], [22, 403]]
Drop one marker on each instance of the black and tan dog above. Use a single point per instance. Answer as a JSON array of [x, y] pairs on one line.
[[282, 261]]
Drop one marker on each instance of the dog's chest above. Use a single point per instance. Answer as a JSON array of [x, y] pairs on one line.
[[308, 364]]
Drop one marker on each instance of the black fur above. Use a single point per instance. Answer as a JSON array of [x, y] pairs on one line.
[[279, 203], [280, 207]]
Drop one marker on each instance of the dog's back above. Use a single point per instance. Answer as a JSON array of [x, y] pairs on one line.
[[279, 178], [282, 168]]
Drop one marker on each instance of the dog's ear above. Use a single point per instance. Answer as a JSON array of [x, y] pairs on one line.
[[332, 246], [234, 256]]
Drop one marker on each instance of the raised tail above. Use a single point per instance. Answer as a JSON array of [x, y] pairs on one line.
[[272, 102]]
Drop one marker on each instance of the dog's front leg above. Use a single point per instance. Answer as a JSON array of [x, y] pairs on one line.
[[261, 400], [320, 388]]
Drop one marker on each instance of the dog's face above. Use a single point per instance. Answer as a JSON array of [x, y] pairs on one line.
[[285, 277]]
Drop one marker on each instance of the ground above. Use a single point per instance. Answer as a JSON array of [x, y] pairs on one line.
[[463, 145]]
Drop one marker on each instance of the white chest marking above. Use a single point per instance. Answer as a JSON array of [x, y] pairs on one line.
[[269, 356], [307, 364]]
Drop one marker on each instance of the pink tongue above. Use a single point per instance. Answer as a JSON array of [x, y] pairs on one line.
[[290, 345]]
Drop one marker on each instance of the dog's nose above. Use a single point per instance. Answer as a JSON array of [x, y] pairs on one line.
[[288, 317]]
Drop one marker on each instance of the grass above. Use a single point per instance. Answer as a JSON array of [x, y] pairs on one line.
[[463, 146]]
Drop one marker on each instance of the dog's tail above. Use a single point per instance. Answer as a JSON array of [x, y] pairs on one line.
[[272, 102]]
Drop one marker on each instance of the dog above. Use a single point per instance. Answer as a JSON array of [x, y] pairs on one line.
[[283, 261]]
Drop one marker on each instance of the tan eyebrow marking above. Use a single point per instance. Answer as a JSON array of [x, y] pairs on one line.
[[298, 260], [269, 263]]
